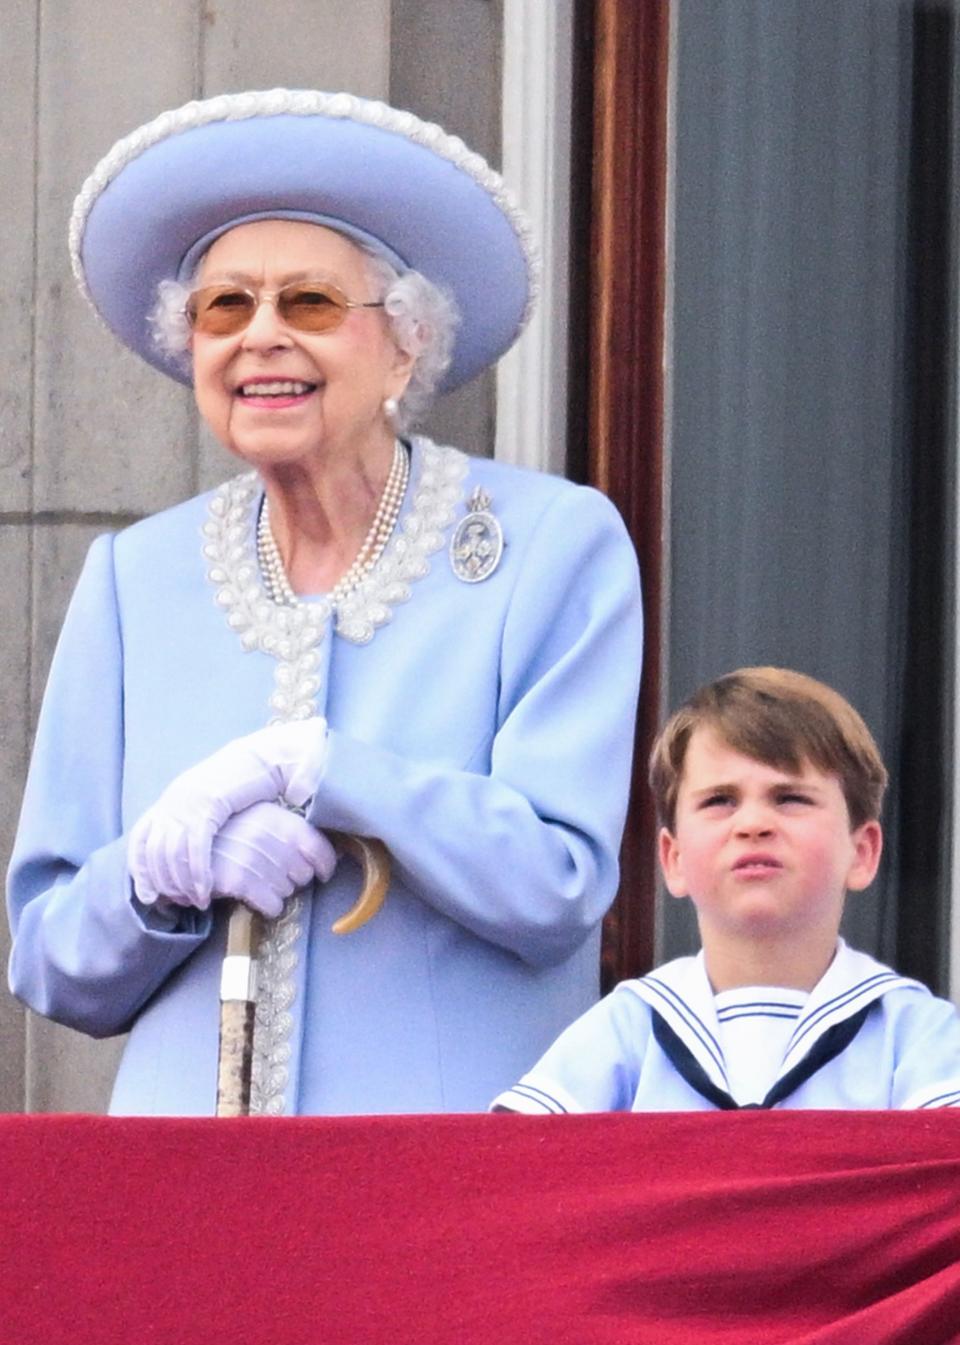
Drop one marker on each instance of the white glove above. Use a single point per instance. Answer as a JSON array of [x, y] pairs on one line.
[[169, 852], [262, 855]]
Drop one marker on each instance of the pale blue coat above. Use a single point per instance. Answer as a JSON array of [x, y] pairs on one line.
[[484, 732]]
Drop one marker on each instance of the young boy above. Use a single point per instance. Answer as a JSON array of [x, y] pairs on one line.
[[768, 785]]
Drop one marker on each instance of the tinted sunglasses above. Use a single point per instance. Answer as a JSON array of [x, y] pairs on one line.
[[307, 306]]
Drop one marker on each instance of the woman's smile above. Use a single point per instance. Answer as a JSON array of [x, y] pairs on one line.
[[275, 393]]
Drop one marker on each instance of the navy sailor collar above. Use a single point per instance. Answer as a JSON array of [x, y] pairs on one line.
[[681, 994]]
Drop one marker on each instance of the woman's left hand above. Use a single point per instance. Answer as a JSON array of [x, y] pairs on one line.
[[265, 853]]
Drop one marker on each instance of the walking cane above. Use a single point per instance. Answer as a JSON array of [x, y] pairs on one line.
[[238, 983]]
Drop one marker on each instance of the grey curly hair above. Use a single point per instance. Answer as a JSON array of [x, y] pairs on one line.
[[423, 322]]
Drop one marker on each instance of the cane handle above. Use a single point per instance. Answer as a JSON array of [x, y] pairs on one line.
[[374, 862]]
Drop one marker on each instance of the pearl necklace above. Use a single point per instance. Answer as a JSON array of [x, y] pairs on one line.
[[381, 529]]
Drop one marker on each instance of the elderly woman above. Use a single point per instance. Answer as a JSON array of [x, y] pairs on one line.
[[447, 650]]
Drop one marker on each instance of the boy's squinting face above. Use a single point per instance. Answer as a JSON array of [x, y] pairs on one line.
[[760, 850]]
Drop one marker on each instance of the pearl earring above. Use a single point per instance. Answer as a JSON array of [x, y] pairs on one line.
[[390, 407]]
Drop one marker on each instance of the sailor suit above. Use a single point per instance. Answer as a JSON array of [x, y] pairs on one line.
[[865, 1037]]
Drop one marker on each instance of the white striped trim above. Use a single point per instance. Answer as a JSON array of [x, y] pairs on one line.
[[934, 1096], [534, 1096]]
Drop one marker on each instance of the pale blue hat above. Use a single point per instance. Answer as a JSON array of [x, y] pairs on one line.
[[161, 196]]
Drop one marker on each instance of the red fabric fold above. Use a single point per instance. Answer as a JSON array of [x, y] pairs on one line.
[[808, 1228]]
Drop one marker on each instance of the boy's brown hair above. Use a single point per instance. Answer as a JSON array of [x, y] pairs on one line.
[[783, 719]]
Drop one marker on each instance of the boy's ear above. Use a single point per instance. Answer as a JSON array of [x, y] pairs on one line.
[[868, 847], [671, 864]]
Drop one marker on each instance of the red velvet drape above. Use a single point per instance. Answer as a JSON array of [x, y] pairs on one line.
[[813, 1228]]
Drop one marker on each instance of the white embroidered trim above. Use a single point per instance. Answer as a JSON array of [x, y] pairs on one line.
[[292, 636], [304, 103], [276, 991]]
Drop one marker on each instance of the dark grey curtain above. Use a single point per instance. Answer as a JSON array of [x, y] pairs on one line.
[[811, 458]]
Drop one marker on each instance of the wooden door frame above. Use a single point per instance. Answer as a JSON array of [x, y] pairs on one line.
[[617, 411]]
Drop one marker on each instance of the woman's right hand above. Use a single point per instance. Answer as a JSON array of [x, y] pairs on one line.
[[260, 857]]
